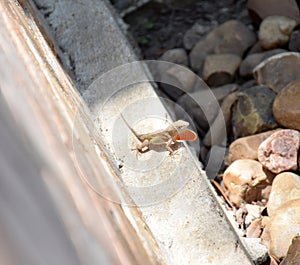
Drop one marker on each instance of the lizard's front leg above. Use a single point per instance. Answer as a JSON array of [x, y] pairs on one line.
[[168, 146]]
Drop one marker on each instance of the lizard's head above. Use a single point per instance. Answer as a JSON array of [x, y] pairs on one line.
[[180, 125]]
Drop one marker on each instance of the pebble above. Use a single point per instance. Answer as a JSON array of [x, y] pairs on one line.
[[252, 60], [231, 37], [279, 151], [279, 70], [246, 147], [178, 56], [253, 112], [286, 106], [258, 10], [220, 69], [275, 31], [244, 181]]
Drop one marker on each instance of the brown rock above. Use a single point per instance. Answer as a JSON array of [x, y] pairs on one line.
[[252, 60], [284, 226], [275, 31], [259, 10], [279, 151], [220, 69], [253, 112], [286, 106], [244, 181], [231, 37], [246, 147], [293, 254], [285, 187], [178, 56], [279, 70]]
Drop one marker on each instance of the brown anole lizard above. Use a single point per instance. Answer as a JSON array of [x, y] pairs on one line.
[[174, 132]]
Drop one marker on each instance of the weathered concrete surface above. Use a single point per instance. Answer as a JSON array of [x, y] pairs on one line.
[[89, 37], [171, 192]]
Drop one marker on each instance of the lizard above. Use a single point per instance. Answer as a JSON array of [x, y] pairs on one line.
[[174, 132]]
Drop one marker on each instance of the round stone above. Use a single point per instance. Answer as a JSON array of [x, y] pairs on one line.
[[286, 106]]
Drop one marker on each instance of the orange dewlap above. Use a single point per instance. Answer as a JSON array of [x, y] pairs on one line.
[[187, 135]]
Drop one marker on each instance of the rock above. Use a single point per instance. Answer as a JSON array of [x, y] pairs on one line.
[[279, 70], [293, 254], [285, 187], [244, 181], [275, 31], [231, 37], [196, 33], [286, 106], [200, 104], [253, 113], [246, 147], [279, 151], [252, 60], [178, 56], [176, 80], [258, 10], [294, 42], [220, 69], [217, 133], [284, 226]]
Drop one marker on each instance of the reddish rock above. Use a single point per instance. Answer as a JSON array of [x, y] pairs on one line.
[[246, 147], [286, 106], [279, 151]]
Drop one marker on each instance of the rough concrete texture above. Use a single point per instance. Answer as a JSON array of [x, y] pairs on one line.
[[89, 37], [172, 192]]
